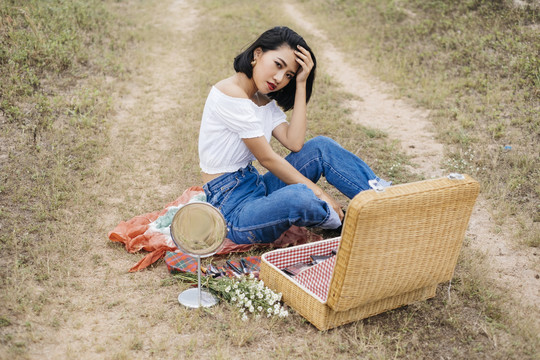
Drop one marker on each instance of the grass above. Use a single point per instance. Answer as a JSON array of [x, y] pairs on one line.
[[476, 64], [53, 102], [65, 290]]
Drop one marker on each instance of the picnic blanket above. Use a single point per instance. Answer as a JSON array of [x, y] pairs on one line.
[[150, 232], [180, 262]]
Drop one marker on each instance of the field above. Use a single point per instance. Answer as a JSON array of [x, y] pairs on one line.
[[100, 106]]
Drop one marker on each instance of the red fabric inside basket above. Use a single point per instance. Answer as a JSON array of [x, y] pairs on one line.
[[315, 278]]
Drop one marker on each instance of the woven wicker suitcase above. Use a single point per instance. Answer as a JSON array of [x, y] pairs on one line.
[[395, 247]]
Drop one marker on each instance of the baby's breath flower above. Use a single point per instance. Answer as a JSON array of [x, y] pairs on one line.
[[248, 295]]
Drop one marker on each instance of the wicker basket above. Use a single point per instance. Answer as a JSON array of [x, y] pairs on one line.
[[396, 246]]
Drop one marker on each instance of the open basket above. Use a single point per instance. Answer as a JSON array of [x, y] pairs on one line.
[[396, 246]]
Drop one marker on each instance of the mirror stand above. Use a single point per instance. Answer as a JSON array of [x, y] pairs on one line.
[[196, 298]]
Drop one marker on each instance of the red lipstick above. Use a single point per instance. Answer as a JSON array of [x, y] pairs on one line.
[[271, 86]]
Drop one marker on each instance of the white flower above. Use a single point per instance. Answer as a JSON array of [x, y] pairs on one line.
[[250, 295]]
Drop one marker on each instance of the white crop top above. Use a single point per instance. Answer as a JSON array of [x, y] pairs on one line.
[[226, 120]]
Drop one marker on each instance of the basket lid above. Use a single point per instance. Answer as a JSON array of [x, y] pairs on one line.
[[400, 240]]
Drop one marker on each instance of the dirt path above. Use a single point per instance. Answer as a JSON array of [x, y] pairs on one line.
[[107, 312], [513, 269]]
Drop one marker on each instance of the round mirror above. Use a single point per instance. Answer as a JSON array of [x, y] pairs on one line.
[[198, 229]]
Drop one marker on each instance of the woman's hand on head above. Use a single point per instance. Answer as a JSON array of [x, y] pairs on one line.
[[303, 57]]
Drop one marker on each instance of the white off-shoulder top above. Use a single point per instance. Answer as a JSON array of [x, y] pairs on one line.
[[226, 120]]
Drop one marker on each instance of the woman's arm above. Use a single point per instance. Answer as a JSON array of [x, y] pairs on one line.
[[278, 166], [293, 135]]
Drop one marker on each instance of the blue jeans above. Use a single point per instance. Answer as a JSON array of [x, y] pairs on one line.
[[259, 208]]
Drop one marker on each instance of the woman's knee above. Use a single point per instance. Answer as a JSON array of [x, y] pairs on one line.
[[323, 143]]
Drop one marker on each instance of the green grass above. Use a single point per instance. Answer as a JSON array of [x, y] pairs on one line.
[[53, 58], [476, 64]]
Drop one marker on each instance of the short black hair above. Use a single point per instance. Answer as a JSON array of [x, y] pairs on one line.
[[271, 40]]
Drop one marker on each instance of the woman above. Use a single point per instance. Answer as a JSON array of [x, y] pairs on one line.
[[241, 114]]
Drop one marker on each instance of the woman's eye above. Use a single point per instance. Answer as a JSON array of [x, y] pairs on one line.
[[289, 76], [278, 65]]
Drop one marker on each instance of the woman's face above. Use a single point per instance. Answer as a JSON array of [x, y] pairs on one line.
[[274, 68]]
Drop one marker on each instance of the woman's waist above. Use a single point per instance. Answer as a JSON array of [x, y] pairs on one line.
[[215, 182], [206, 178]]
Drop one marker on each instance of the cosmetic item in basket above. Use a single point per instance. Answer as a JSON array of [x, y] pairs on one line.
[[316, 259], [296, 269]]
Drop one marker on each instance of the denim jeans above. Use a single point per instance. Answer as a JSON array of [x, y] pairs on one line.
[[259, 208]]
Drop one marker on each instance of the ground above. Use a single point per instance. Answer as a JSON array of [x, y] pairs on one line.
[[104, 311]]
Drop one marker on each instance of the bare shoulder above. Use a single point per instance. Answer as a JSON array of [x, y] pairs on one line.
[[230, 88]]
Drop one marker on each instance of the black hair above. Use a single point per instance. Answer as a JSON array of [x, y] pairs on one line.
[[271, 40]]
